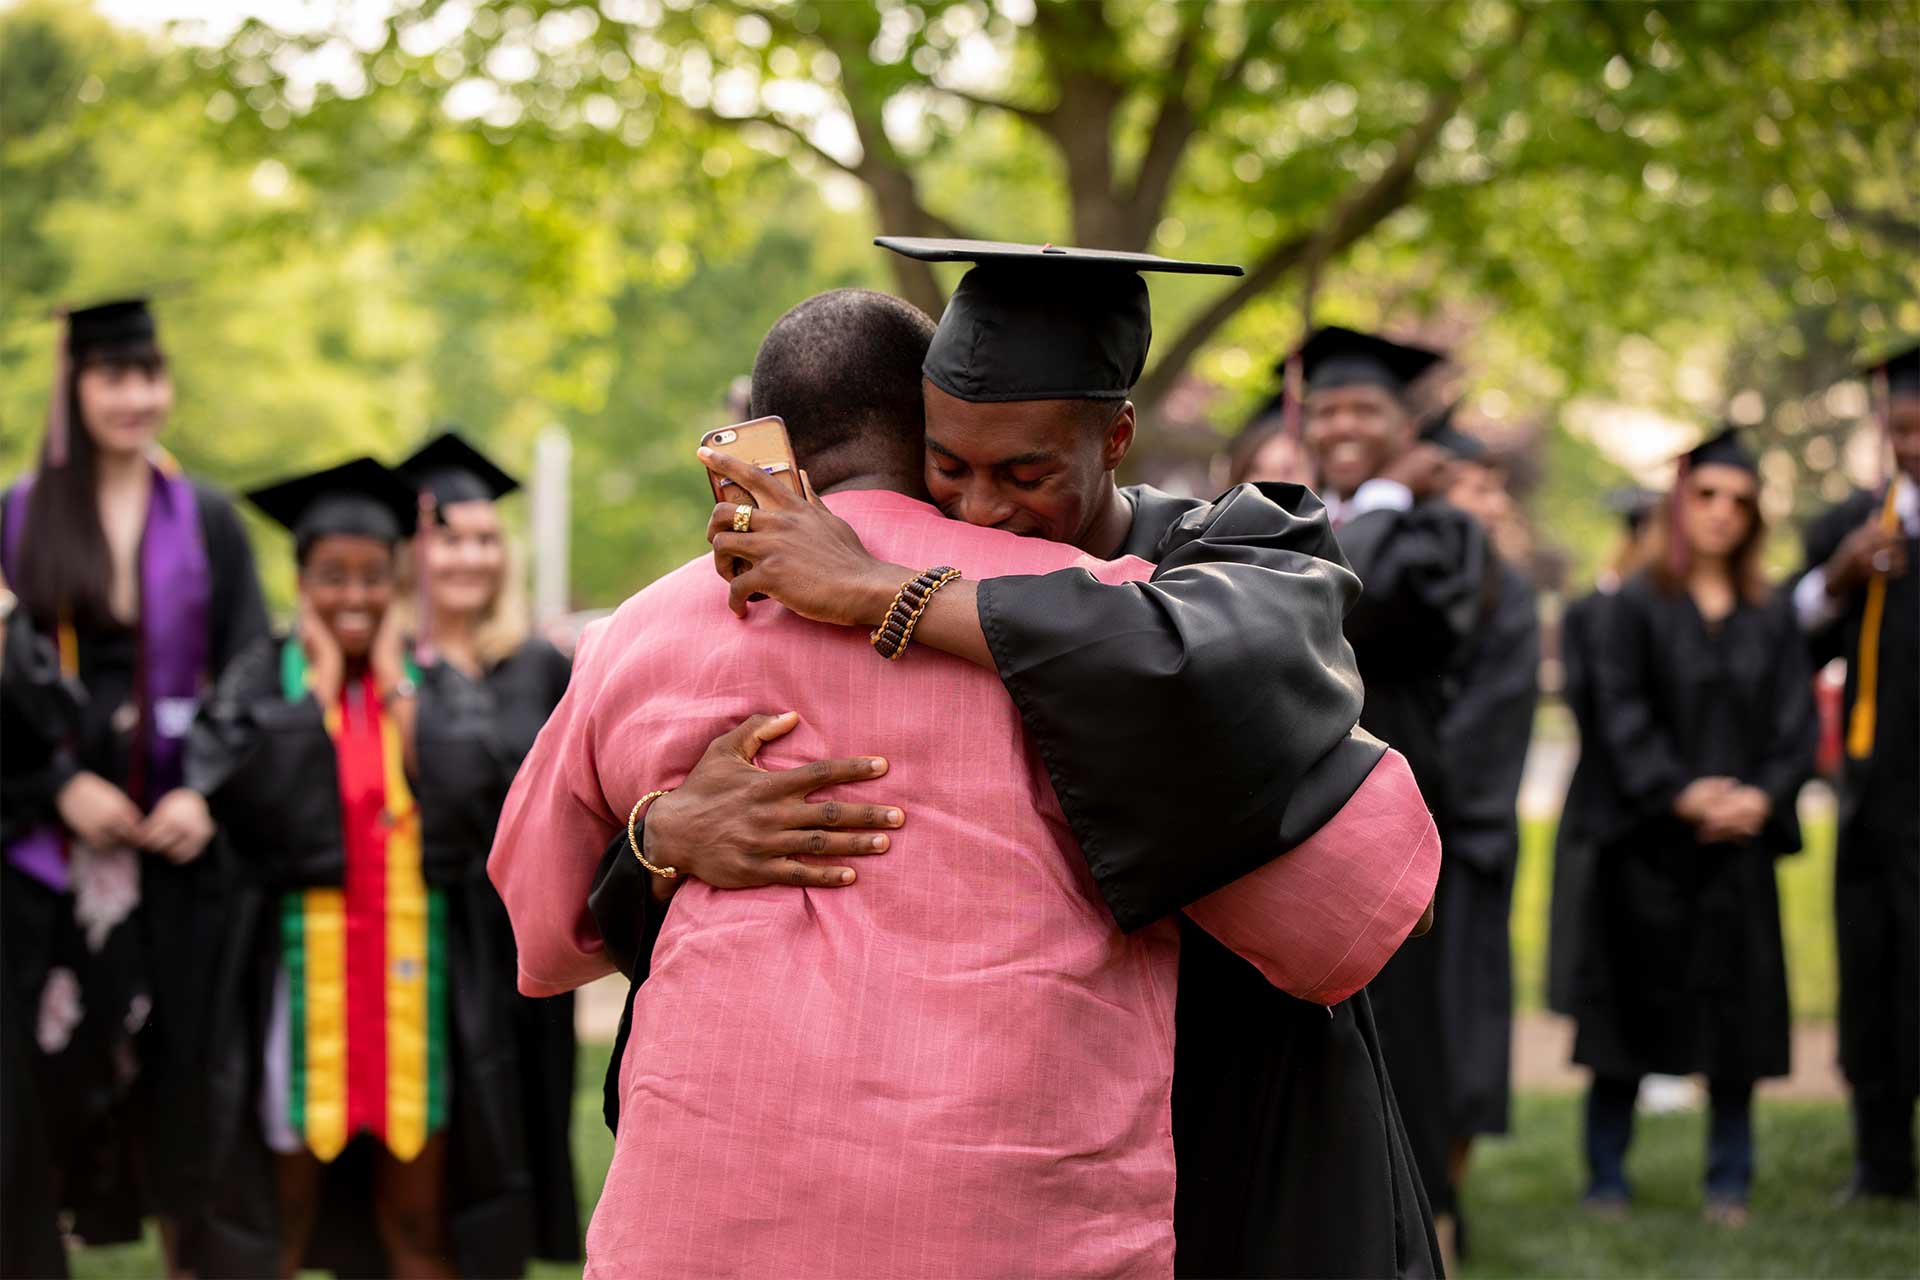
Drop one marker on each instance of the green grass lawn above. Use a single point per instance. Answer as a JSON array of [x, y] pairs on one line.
[[1806, 911]]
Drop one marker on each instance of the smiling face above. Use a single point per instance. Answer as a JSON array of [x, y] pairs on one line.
[[348, 579], [1037, 468], [1354, 432], [124, 403], [1718, 509], [1480, 491], [465, 559]]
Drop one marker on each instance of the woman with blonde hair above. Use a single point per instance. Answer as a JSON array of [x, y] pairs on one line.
[[487, 687], [1704, 708]]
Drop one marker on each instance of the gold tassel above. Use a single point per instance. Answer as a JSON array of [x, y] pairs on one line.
[[1860, 724]]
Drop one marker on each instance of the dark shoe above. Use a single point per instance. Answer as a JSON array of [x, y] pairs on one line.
[[1859, 1193]]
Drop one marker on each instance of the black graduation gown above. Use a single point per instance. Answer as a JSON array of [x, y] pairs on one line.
[[1876, 889], [38, 710], [268, 767], [472, 736], [1489, 720], [1292, 1157], [1592, 811], [1426, 575], [127, 1130], [1683, 969]]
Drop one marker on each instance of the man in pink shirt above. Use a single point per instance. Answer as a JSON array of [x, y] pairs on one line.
[[960, 1069]]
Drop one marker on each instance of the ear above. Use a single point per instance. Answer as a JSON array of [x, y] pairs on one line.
[[1119, 439]]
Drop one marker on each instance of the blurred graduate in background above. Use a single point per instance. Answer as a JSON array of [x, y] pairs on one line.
[[1703, 704], [487, 686], [141, 580], [1425, 568], [1489, 720], [1859, 599], [365, 1102]]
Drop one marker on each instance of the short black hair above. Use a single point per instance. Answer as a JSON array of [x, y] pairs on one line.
[[841, 365]]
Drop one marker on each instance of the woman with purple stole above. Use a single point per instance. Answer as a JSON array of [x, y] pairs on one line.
[[141, 582]]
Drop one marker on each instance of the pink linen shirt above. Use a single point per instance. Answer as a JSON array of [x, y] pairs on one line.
[[957, 1067]]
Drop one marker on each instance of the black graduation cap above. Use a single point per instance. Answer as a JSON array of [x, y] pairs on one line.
[[1901, 370], [1336, 357], [454, 471], [1441, 431], [359, 497], [1722, 448], [121, 322], [1634, 505], [1042, 321]]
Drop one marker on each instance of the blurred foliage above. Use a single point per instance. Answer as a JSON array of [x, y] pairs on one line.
[[519, 214]]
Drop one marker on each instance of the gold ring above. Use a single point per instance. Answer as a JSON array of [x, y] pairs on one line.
[[742, 518]]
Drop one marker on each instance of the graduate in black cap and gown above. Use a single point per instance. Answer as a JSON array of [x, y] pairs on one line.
[[1494, 687], [1292, 1158], [142, 581], [1425, 572], [1859, 599], [365, 1106], [486, 688], [1704, 704], [1590, 809]]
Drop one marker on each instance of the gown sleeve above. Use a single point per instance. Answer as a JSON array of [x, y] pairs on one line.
[[39, 713], [1192, 722], [1425, 573], [266, 766], [1647, 768], [237, 610], [1491, 720], [1822, 538]]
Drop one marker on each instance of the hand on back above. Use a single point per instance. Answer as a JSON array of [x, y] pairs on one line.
[[734, 825]]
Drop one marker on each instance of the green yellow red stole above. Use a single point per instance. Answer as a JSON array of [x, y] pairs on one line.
[[366, 962]]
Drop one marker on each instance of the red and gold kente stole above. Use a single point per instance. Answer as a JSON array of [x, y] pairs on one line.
[[366, 962]]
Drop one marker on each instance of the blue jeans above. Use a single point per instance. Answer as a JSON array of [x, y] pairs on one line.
[[1729, 1137]]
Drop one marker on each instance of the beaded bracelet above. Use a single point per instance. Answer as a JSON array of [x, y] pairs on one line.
[[665, 873], [895, 631]]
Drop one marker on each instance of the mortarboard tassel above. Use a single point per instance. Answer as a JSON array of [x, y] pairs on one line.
[[423, 617], [1861, 722], [57, 404]]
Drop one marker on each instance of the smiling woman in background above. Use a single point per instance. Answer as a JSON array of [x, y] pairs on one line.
[[487, 688], [142, 581]]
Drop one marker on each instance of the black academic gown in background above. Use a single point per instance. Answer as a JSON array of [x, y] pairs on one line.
[[1426, 581], [268, 767], [1488, 722], [1683, 970], [39, 709], [129, 1129], [1592, 813], [1292, 1158], [471, 737], [1876, 891]]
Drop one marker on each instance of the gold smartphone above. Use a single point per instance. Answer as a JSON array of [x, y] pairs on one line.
[[762, 443]]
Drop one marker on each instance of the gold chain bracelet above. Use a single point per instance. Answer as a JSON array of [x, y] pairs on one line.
[[633, 816]]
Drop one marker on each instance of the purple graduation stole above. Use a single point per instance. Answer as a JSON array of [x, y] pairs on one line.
[[176, 588]]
